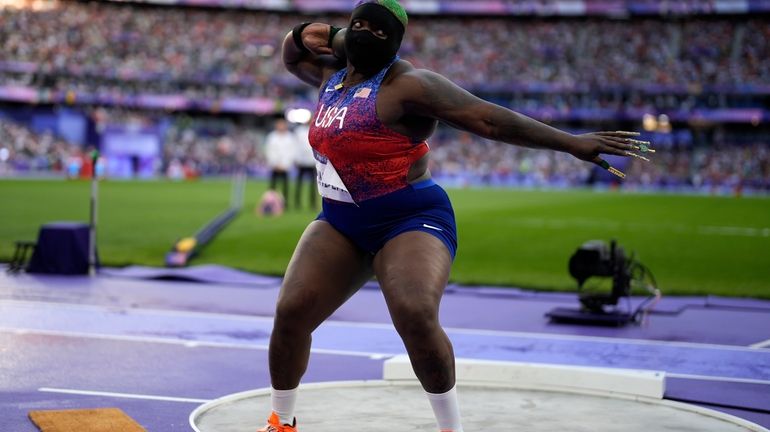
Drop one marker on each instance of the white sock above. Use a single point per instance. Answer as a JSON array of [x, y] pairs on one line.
[[283, 404], [446, 410]]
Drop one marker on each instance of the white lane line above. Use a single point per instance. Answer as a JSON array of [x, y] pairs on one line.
[[606, 339], [201, 401], [734, 231], [763, 344], [718, 378], [133, 310], [187, 343], [384, 326], [122, 395], [559, 224]]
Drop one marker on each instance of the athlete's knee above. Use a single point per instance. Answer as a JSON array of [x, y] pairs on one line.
[[415, 320], [291, 315]]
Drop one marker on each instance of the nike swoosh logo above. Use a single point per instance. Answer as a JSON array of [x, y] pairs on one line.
[[432, 227]]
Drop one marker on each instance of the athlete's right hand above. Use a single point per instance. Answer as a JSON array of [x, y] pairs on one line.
[[316, 38]]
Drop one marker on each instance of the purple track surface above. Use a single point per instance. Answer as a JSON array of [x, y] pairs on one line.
[[158, 348]]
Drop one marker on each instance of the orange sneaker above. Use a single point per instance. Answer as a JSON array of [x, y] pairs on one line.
[[274, 425]]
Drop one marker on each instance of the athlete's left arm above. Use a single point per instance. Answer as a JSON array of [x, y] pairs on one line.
[[428, 94]]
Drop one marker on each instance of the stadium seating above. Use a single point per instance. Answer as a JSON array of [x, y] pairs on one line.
[[137, 66]]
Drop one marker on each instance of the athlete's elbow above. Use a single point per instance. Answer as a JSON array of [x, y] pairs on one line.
[[503, 124], [290, 55], [488, 128], [292, 67]]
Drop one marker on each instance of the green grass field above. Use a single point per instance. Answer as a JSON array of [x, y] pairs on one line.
[[693, 244]]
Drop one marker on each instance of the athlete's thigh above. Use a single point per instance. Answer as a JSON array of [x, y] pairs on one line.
[[325, 270], [413, 270]]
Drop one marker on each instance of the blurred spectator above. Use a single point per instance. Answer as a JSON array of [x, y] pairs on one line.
[[280, 146]]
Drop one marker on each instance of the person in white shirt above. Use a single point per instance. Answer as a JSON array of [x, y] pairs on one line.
[[305, 163], [280, 146]]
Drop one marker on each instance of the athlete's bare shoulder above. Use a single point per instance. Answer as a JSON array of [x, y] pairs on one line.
[[422, 86], [400, 81], [404, 78], [399, 68], [425, 93]]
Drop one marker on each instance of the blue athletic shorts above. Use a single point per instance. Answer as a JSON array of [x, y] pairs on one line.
[[422, 206]]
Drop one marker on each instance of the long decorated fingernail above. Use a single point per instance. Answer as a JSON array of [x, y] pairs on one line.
[[645, 148], [633, 141], [616, 172], [637, 156]]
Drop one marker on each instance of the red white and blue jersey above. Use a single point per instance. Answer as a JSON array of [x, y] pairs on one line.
[[357, 156]]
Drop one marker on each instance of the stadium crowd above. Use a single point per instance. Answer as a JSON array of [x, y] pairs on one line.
[[525, 63], [203, 148], [461, 159], [22, 150], [108, 48], [195, 148]]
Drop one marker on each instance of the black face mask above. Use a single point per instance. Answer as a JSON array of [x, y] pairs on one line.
[[366, 52]]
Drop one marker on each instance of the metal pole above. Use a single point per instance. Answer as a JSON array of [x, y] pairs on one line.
[[92, 222]]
